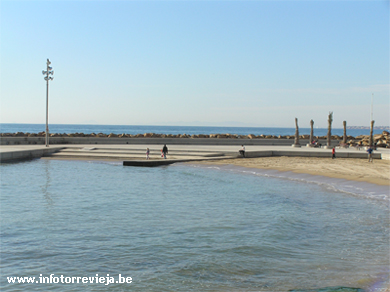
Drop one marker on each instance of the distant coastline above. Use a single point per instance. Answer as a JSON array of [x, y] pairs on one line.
[[367, 128]]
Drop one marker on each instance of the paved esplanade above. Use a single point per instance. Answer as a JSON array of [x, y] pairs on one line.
[[176, 152]]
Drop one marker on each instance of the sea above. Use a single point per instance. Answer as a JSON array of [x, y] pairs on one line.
[[189, 130], [97, 226]]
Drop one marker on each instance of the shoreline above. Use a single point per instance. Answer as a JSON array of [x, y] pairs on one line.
[[331, 168], [359, 170], [350, 164]]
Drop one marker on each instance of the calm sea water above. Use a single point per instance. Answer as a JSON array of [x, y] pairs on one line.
[[118, 129], [185, 228]]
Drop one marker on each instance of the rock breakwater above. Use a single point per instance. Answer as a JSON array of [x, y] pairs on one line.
[[381, 140]]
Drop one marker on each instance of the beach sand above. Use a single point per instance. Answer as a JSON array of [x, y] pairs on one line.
[[377, 172]]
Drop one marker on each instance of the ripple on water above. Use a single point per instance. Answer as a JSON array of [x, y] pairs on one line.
[[187, 228]]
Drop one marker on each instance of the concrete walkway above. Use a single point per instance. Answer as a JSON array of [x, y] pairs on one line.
[[176, 152]]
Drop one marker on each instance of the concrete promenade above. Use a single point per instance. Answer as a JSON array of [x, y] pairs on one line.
[[177, 153]]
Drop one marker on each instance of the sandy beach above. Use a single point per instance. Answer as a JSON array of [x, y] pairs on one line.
[[377, 172]]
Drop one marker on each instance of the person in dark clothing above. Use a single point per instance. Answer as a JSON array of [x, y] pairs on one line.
[[165, 151], [369, 151]]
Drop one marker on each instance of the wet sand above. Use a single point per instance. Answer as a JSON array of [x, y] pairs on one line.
[[377, 172]]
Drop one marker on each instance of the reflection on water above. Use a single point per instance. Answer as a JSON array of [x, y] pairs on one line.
[[46, 185], [181, 228]]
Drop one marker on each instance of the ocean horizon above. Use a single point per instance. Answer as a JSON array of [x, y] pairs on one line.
[[174, 130]]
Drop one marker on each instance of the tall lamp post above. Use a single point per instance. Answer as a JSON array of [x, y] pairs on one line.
[[48, 72]]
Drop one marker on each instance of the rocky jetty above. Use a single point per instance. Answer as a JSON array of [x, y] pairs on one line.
[[381, 140]]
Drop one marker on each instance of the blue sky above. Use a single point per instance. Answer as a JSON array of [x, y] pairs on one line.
[[216, 63]]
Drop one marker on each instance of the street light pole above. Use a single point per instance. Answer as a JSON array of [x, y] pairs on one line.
[[48, 72]]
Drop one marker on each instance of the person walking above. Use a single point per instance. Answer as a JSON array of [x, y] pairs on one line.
[[369, 151], [333, 152], [147, 153], [242, 151], [165, 151]]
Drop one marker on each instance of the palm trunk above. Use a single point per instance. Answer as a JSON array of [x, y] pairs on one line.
[[345, 132], [311, 131], [371, 133], [330, 120], [296, 141]]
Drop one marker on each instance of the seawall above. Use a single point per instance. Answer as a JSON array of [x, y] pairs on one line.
[[23, 154]]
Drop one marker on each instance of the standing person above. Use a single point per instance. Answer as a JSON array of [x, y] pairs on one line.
[[369, 151], [242, 151], [333, 152], [165, 151], [147, 153]]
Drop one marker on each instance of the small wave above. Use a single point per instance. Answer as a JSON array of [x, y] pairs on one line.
[[356, 188]]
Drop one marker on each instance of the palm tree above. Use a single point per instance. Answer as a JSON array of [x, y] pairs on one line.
[[311, 131], [371, 133], [345, 132], [296, 141], [330, 120]]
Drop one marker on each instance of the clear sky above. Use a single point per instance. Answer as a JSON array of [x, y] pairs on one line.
[[216, 63]]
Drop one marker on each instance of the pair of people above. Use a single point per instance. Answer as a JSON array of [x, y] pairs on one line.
[[164, 152]]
